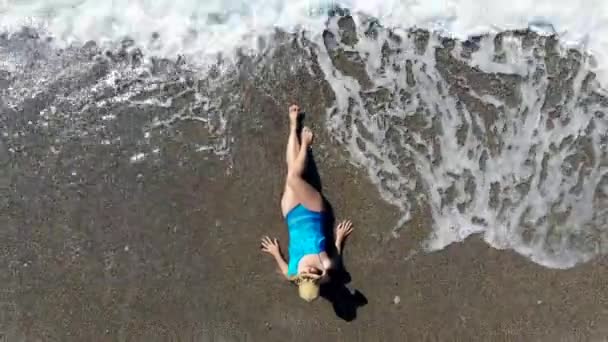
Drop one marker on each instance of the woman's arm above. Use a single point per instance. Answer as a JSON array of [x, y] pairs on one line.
[[278, 257], [342, 231], [271, 246]]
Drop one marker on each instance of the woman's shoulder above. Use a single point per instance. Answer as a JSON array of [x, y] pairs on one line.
[[326, 261]]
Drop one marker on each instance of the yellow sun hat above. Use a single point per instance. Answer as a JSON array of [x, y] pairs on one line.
[[308, 289]]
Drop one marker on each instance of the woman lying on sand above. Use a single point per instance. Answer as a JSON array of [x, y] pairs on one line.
[[302, 207]]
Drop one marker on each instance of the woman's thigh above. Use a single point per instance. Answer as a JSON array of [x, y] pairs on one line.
[[288, 201]]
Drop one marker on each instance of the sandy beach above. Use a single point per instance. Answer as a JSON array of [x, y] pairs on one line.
[[97, 247]]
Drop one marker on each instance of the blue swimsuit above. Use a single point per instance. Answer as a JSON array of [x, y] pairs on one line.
[[305, 235]]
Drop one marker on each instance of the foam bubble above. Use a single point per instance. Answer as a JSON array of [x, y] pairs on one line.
[[139, 157]]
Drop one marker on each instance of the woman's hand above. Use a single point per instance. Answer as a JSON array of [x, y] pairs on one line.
[[343, 230], [271, 246]]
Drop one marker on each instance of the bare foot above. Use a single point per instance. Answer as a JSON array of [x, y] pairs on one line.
[[306, 136], [294, 111]]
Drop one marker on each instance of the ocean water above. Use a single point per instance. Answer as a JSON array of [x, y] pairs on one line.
[[512, 146]]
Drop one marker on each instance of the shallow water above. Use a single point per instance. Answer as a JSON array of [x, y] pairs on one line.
[[501, 135]]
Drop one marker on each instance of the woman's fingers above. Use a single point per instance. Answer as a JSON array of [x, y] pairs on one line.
[[265, 243], [346, 224], [269, 244], [345, 228]]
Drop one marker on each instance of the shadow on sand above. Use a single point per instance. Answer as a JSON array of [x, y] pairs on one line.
[[344, 300]]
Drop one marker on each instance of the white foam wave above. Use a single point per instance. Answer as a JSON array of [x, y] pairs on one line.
[[80, 93], [519, 157], [201, 28]]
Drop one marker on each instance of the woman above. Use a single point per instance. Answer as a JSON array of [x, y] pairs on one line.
[[302, 208]]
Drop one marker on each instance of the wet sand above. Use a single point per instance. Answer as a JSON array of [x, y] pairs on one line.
[[96, 248]]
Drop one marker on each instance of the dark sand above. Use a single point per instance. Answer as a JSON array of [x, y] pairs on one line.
[[168, 250]]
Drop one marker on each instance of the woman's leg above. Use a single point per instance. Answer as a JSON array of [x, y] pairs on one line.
[[304, 193], [293, 146], [289, 200]]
